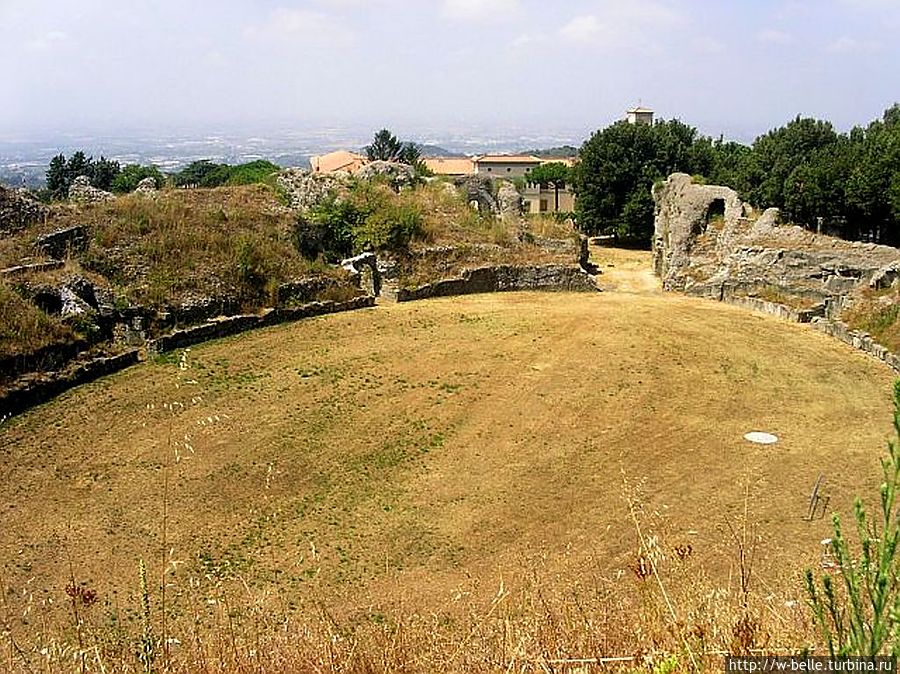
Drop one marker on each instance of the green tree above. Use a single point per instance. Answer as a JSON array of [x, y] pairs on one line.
[[57, 178], [202, 173], [132, 174], [618, 167], [777, 154], [552, 174], [78, 165], [103, 173], [729, 165], [872, 187], [385, 147], [259, 171]]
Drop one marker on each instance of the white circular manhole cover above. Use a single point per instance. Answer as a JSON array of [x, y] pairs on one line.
[[761, 438]]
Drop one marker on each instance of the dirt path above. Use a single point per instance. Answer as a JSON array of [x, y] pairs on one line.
[[625, 271]]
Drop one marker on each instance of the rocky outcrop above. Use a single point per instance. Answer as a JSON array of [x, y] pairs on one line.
[[509, 201], [74, 296], [147, 187], [707, 242], [478, 191], [32, 267], [61, 242], [81, 191], [502, 278], [398, 174], [365, 271], [684, 212], [18, 210], [305, 290], [306, 190]]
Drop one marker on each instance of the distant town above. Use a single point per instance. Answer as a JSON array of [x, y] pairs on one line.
[[24, 160]]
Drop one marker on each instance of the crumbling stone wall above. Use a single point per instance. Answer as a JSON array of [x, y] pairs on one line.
[[306, 189], [502, 278], [18, 210], [83, 192], [684, 212], [738, 253]]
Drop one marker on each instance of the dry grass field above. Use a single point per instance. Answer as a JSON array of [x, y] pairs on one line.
[[432, 459]]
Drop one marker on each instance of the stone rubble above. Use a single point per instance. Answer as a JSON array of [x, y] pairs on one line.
[[82, 192], [18, 210]]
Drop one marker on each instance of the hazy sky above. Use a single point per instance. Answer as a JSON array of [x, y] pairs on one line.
[[738, 67]]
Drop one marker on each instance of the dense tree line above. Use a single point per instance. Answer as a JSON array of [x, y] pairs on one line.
[[107, 175], [848, 183], [205, 173], [619, 165], [62, 173]]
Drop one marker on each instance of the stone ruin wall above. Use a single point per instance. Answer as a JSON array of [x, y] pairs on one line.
[[708, 243]]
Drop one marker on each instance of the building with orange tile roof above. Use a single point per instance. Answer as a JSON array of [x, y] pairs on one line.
[[341, 160], [450, 166], [505, 166]]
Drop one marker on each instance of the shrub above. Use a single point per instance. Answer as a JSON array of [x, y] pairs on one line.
[[252, 266], [24, 328], [371, 216], [259, 171], [392, 226], [328, 230]]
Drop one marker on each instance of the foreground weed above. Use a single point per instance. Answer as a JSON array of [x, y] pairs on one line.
[[859, 612]]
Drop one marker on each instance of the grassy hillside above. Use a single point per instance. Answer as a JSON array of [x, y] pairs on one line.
[[193, 242], [238, 244], [233, 245], [451, 484]]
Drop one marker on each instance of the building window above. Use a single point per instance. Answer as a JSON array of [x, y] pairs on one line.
[[508, 169], [489, 169], [544, 205]]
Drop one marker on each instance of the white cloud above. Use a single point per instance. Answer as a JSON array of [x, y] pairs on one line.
[[47, 40], [478, 10], [772, 36], [849, 45], [708, 45], [618, 24], [355, 4], [527, 41], [302, 25], [582, 29], [870, 4], [215, 59]]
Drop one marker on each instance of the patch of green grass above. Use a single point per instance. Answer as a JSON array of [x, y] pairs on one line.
[[24, 328], [877, 318]]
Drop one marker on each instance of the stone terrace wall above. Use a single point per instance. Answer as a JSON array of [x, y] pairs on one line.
[[774, 309], [39, 387], [232, 325], [815, 316], [858, 340], [504, 278]]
